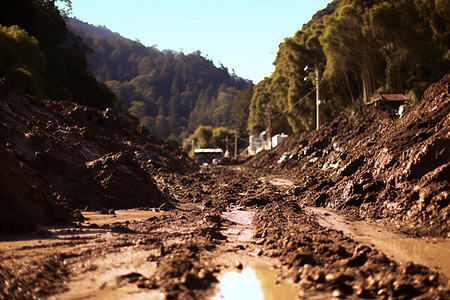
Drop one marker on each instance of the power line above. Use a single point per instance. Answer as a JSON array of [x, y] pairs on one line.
[[284, 111]]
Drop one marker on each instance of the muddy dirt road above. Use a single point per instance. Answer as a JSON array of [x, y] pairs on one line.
[[233, 234]]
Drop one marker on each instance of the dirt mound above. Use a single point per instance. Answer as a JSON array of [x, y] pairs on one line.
[[377, 165], [57, 156]]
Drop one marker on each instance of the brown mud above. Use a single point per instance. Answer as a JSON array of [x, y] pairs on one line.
[[184, 253], [147, 224], [376, 165], [431, 252], [58, 156]]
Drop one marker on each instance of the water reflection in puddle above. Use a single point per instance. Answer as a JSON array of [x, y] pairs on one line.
[[242, 285], [256, 283]]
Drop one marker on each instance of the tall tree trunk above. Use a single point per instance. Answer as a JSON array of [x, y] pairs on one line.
[[348, 87]]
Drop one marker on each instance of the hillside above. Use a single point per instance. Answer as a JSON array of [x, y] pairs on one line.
[[171, 93], [375, 164], [80, 28]]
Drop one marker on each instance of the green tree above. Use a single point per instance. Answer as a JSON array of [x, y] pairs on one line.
[[138, 109], [361, 48], [240, 109], [21, 60], [207, 137], [64, 75]]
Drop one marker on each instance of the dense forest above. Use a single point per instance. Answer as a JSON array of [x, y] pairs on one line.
[[39, 56], [172, 93], [361, 47]]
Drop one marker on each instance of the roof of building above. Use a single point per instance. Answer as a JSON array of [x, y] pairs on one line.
[[390, 97], [204, 151]]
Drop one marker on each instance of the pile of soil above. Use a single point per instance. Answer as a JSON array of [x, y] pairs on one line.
[[58, 156], [376, 164]]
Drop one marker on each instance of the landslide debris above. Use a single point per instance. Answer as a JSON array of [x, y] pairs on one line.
[[376, 164], [327, 264], [58, 156], [182, 253]]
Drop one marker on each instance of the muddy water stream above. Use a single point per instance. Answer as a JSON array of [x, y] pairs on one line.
[[59, 235], [431, 252]]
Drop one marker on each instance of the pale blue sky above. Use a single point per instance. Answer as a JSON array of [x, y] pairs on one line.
[[241, 34]]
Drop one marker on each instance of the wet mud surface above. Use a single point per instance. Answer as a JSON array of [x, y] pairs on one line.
[[431, 252], [94, 207], [58, 156], [186, 252]]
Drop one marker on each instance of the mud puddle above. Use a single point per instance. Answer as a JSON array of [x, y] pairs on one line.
[[431, 252], [51, 234], [257, 282], [98, 257], [109, 276], [118, 216]]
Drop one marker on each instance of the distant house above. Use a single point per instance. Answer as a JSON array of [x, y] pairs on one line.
[[278, 139], [389, 101], [259, 142]]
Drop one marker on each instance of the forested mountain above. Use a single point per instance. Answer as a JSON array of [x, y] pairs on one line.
[[171, 93], [40, 57], [81, 27], [361, 48]]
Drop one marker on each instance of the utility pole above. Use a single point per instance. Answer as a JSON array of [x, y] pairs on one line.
[[227, 153], [316, 71], [269, 122], [269, 137], [235, 144]]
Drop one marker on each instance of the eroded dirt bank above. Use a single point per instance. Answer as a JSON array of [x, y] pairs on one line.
[[58, 156], [377, 165]]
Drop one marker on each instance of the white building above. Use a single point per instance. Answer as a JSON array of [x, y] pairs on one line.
[[278, 139], [259, 142]]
